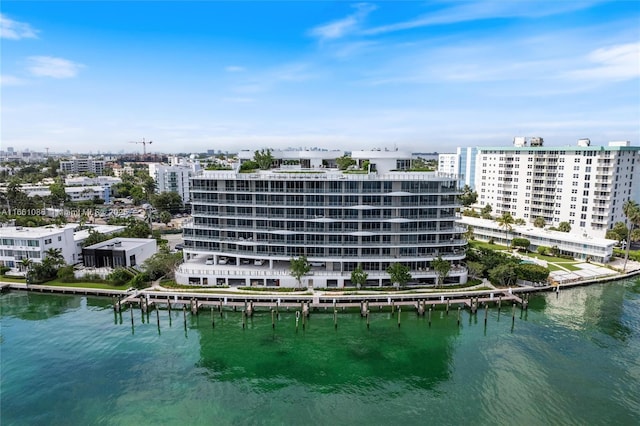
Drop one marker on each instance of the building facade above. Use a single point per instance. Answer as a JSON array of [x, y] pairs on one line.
[[246, 227], [83, 165], [583, 185], [586, 248], [173, 178], [18, 243], [119, 252]]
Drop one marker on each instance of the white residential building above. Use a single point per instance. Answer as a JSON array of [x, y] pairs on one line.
[[18, 242], [461, 163], [83, 165], [584, 248], [246, 227], [583, 185], [75, 193], [449, 163], [173, 178]]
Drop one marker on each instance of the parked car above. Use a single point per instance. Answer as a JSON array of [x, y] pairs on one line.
[[258, 262], [209, 261]]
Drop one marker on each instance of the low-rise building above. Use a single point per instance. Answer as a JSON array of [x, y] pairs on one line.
[[119, 252], [18, 242], [584, 247]]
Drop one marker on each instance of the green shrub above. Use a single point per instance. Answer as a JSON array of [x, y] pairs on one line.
[[4, 270], [65, 274]]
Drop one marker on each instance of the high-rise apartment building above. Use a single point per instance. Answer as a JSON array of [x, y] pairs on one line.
[[246, 227], [174, 177], [583, 185]]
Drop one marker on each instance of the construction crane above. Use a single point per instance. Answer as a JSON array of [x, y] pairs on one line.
[[144, 145]]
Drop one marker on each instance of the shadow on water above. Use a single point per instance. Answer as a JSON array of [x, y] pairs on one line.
[[36, 306], [350, 357]]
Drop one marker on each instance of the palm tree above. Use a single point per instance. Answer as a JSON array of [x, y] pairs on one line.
[[506, 221], [631, 210], [25, 264], [54, 257]]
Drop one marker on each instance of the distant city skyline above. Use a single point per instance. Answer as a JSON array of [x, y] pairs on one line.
[[419, 76]]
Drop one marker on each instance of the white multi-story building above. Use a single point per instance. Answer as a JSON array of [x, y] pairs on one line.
[[92, 181], [75, 193], [584, 185], [449, 163], [246, 227], [83, 165], [18, 242], [585, 248], [174, 178]]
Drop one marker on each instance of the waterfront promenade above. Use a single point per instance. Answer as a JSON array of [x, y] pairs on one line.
[[324, 299]]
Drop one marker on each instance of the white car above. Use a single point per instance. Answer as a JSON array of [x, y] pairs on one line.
[[209, 261], [258, 262], [222, 261]]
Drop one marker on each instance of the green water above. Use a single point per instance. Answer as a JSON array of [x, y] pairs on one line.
[[571, 359]]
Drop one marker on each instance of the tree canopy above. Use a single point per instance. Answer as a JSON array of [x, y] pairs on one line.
[[263, 158], [299, 267], [359, 277], [468, 196], [399, 274], [442, 268]]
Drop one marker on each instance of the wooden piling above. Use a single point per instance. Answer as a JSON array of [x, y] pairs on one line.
[[448, 302], [158, 317], [367, 319], [273, 319], [486, 313], [335, 318], [458, 315], [131, 309], [499, 303], [429, 317], [513, 313], [399, 312], [169, 305], [213, 322]]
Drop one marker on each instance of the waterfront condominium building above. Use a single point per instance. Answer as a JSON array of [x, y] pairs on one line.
[[584, 185], [246, 227]]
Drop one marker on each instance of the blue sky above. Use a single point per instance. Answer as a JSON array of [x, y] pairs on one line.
[[423, 76]]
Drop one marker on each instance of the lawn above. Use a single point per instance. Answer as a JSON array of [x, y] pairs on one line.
[[12, 279], [482, 244], [103, 286]]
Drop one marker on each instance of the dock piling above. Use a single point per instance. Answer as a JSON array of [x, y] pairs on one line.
[[458, 315], [399, 312]]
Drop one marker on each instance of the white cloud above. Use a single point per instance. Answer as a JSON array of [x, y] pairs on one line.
[[234, 68], [474, 10], [342, 27], [15, 30], [49, 66], [619, 62], [11, 80]]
